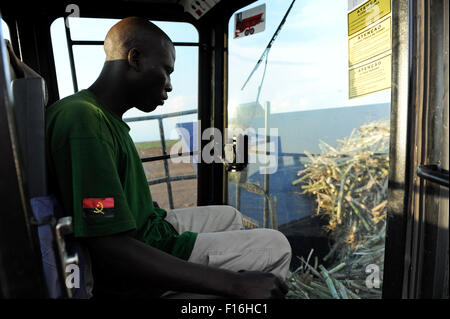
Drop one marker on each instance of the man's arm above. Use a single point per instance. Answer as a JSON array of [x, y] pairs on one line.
[[124, 254]]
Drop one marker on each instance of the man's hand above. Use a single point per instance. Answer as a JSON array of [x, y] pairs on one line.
[[260, 285]]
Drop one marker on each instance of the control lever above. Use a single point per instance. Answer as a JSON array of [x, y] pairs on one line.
[[63, 228], [236, 153]]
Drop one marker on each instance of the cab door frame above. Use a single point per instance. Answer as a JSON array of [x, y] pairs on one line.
[[417, 218]]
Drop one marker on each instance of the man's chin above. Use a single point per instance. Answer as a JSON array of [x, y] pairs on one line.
[[148, 108]]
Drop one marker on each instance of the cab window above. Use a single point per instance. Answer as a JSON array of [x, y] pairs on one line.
[[328, 138], [5, 30]]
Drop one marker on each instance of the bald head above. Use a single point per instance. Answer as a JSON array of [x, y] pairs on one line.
[[140, 59], [133, 32]]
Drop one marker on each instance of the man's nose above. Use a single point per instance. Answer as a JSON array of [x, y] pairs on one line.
[[168, 87]]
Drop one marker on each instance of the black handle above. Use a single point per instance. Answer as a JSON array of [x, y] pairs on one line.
[[434, 174]]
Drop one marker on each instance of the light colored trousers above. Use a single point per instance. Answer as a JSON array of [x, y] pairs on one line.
[[222, 241]]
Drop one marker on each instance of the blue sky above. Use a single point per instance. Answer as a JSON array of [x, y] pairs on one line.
[[307, 67]]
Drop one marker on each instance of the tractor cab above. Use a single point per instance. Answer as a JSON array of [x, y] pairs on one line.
[[325, 120]]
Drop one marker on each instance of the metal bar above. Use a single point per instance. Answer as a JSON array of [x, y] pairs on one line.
[[71, 58], [167, 156], [157, 117], [262, 80], [166, 164], [172, 179], [205, 89], [99, 42], [267, 210], [62, 229], [434, 174], [274, 216], [421, 129], [238, 196], [186, 44], [87, 42], [402, 109]]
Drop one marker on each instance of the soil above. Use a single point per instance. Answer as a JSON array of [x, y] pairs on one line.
[[184, 193]]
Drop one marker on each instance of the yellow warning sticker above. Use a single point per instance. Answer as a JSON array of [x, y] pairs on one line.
[[371, 77], [370, 43], [366, 14]]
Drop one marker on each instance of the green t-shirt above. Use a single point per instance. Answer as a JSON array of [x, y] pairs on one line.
[[97, 174]]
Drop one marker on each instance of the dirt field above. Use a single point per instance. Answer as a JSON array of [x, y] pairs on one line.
[[184, 193]]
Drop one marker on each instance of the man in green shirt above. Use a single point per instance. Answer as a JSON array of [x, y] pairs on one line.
[[97, 174], [101, 178]]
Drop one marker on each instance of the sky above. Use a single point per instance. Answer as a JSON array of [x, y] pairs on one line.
[[307, 66]]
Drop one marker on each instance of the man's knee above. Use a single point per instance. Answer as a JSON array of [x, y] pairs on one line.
[[231, 210], [282, 247], [273, 239], [235, 215], [280, 252]]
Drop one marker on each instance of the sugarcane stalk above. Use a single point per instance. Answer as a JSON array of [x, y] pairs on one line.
[[321, 295], [314, 271], [333, 249], [341, 288], [356, 210], [321, 290], [357, 240], [309, 256], [300, 289], [352, 294], [305, 286], [337, 268], [341, 192], [329, 282], [363, 288]]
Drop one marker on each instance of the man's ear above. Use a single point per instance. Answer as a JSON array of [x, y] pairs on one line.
[[134, 58]]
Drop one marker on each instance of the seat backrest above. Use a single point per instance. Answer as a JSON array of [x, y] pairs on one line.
[[29, 113], [30, 99]]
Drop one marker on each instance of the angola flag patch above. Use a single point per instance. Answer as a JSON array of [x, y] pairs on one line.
[[98, 207]]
